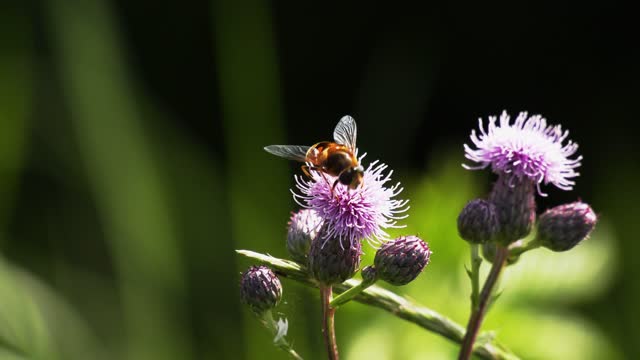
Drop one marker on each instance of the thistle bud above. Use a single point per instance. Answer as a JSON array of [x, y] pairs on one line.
[[563, 227], [260, 288], [478, 221], [332, 261], [400, 261], [515, 203], [303, 228]]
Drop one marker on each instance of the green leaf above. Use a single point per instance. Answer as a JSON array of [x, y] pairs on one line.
[[31, 318], [23, 333]]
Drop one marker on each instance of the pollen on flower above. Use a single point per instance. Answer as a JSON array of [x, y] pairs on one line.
[[528, 148], [353, 214]]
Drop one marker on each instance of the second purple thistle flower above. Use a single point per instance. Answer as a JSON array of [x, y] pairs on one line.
[[528, 148]]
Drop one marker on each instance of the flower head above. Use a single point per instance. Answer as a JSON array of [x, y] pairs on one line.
[[303, 228], [478, 221], [528, 148], [564, 226], [515, 204], [400, 261], [332, 262], [353, 214], [260, 288]]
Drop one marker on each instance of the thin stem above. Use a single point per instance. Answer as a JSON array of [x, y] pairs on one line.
[[328, 328], [292, 353], [476, 261], [279, 334], [477, 315], [390, 302], [519, 250], [351, 293]]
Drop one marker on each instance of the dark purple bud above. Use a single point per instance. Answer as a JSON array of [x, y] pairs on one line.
[[332, 261], [303, 228], [478, 221], [400, 261], [514, 199], [260, 288], [563, 227]]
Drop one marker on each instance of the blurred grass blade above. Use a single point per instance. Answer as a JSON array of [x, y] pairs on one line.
[[198, 197], [16, 76], [129, 193], [251, 105]]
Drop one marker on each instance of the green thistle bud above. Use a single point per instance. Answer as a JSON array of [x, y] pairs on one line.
[[478, 222], [260, 288], [563, 227], [400, 261], [303, 228], [515, 202], [332, 261]]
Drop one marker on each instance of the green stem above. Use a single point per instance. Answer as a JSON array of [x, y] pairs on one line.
[[279, 340], [477, 315], [328, 323], [388, 301], [351, 293], [476, 261], [519, 250]]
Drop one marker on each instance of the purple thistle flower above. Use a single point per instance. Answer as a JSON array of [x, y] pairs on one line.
[[353, 214], [528, 148]]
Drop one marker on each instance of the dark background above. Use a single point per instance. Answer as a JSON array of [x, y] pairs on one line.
[[131, 162]]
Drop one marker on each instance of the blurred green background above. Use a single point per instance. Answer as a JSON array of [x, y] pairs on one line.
[[131, 167]]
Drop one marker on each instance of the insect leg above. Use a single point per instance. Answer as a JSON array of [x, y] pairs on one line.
[[326, 180], [335, 183], [305, 170]]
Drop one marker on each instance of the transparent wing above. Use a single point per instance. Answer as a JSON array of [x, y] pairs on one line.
[[345, 132], [291, 152]]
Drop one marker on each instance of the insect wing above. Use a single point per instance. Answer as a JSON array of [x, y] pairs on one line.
[[291, 152], [345, 132]]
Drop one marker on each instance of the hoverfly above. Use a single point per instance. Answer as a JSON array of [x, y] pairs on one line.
[[336, 158]]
